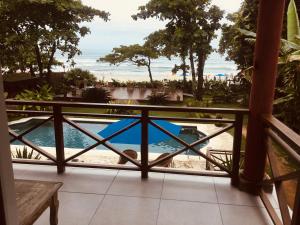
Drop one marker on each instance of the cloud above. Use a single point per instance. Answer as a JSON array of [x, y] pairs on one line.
[[228, 5], [122, 29]]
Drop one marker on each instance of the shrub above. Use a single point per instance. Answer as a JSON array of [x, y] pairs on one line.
[[219, 116], [203, 115], [96, 95], [158, 98], [121, 111], [43, 93], [77, 77], [25, 154]]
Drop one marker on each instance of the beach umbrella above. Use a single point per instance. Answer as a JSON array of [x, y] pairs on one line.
[[133, 135]]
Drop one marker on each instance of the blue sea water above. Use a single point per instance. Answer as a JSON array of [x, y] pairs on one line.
[[161, 67]]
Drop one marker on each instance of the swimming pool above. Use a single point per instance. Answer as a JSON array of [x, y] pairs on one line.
[[44, 136]]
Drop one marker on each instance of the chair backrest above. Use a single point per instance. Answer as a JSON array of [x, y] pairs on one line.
[[130, 153], [165, 163]]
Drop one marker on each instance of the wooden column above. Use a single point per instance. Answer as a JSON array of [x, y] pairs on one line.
[[269, 30], [237, 142], [59, 139], [8, 209], [144, 145]]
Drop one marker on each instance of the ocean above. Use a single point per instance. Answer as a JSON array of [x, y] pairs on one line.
[[161, 68]]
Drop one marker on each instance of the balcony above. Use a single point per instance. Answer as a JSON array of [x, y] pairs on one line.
[[110, 197], [143, 192]]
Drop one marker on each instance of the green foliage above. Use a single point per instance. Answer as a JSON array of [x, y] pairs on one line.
[[77, 77], [42, 93], [25, 154], [158, 98], [145, 84], [222, 92], [136, 54], [233, 42], [226, 160], [121, 111], [287, 103], [293, 28], [31, 32], [96, 95], [187, 34], [220, 116]]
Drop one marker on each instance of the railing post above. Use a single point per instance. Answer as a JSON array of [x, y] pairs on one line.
[[296, 209], [59, 138], [144, 144], [236, 154], [269, 31]]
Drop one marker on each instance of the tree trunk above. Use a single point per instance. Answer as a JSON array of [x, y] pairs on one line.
[[184, 71], [39, 59], [31, 71], [200, 71], [50, 62], [192, 66], [149, 70]]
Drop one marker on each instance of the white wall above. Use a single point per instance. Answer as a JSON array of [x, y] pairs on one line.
[[6, 171]]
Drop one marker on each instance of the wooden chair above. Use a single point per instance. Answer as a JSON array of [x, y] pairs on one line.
[[165, 163], [130, 153]]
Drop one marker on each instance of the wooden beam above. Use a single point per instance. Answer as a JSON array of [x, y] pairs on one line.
[[269, 30], [8, 206]]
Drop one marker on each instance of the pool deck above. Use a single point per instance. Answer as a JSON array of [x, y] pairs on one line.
[[112, 197], [223, 141]]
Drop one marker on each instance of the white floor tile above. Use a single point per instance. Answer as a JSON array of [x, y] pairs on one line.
[[190, 188], [129, 183], [74, 209], [120, 210], [245, 215], [88, 180], [81, 180], [188, 213], [228, 194]]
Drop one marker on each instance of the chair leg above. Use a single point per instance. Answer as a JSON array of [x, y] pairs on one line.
[[54, 210]]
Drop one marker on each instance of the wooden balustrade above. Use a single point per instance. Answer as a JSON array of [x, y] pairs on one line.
[[289, 141], [59, 116], [274, 130]]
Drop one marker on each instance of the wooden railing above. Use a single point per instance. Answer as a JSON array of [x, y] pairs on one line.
[[289, 141], [59, 116]]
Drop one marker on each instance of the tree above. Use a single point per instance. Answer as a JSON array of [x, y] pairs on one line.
[[136, 54], [233, 42], [33, 31], [168, 44], [191, 24], [78, 76], [287, 103], [203, 36]]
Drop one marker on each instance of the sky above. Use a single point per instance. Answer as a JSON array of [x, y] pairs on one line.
[[122, 29]]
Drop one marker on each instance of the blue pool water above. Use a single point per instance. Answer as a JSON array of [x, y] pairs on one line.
[[44, 136]]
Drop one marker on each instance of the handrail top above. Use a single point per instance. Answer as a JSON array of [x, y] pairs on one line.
[[286, 133], [133, 107]]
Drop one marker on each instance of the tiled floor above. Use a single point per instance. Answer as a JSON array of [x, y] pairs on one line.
[[106, 197]]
